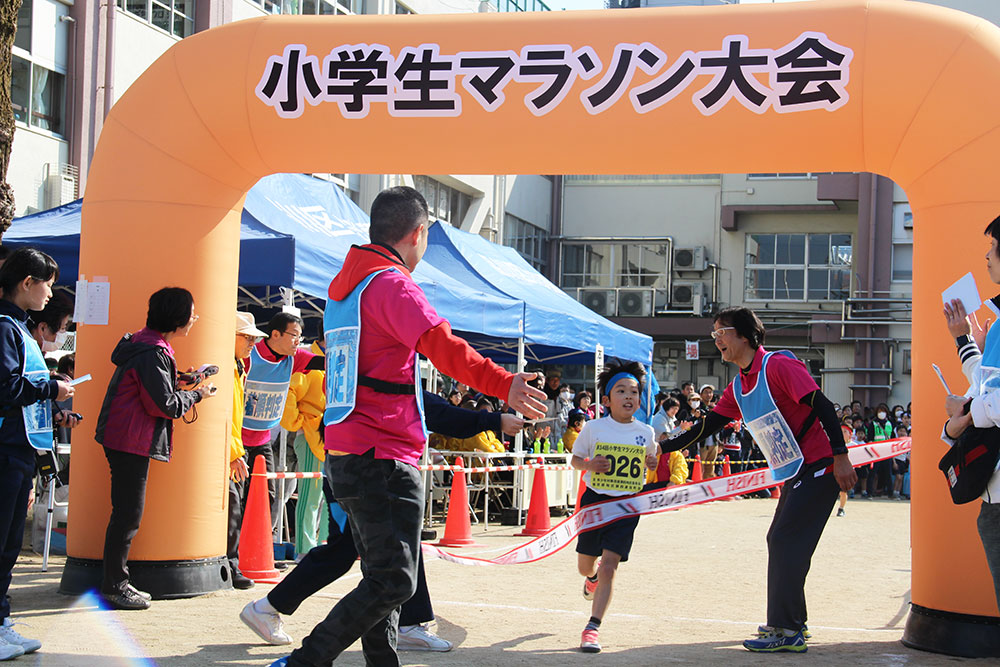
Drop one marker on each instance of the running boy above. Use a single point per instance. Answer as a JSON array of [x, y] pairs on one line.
[[612, 452]]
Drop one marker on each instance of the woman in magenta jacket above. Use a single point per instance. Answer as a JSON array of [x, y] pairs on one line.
[[136, 424]]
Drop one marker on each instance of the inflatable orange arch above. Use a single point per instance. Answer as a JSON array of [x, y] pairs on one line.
[[905, 90]]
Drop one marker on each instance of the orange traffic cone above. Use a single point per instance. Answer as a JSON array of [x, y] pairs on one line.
[[538, 522], [726, 470], [256, 548], [581, 487], [776, 491], [696, 473], [458, 527]]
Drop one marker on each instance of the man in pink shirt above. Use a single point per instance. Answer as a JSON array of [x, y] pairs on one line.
[[269, 371], [796, 427], [376, 319]]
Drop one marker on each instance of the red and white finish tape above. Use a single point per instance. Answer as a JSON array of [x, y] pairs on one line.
[[655, 502]]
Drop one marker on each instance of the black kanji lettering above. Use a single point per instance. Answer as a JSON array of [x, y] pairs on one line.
[[356, 76], [811, 73], [425, 83], [736, 78]]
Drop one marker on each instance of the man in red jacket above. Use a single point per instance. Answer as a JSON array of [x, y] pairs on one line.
[[376, 319]]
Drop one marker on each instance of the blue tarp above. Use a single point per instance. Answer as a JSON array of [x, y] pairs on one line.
[[557, 328]]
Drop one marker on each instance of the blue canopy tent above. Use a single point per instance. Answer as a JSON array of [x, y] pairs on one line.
[[267, 257]]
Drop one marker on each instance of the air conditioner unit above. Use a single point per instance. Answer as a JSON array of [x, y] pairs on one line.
[[636, 302], [690, 259], [687, 296], [598, 299], [59, 189]]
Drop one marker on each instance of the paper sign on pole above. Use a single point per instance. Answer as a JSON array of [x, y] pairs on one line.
[[692, 351]]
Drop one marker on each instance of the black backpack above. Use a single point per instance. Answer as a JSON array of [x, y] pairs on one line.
[[971, 462]]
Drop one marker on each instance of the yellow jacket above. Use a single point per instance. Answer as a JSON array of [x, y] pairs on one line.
[[305, 405], [236, 442], [487, 441], [678, 470], [569, 437]]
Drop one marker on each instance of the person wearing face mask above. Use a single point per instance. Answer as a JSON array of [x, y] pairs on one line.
[[48, 328], [26, 393], [878, 430], [708, 449]]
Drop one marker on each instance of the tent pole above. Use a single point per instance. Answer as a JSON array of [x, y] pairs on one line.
[[519, 440]]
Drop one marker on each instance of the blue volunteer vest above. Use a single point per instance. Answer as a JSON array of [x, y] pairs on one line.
[[768, 426], [342, 333], [266, 390], [989, 367], [37, 416]]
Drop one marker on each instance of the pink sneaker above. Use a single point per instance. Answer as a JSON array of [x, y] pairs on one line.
[[588, 588], [589, 643]]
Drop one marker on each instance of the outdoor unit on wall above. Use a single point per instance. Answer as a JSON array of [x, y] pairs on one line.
[[690, 259], [635, 302], [687, 296], [60, 185], [599, 299]]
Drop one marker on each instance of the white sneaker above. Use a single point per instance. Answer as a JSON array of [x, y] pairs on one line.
[[420, 638], [9, 651], [267, 625], [11, 636]]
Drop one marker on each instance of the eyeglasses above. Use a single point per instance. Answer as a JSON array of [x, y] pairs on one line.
[[295, 337], [718, 333], [252, 339]]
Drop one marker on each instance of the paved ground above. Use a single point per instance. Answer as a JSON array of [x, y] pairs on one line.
[[691, 593]]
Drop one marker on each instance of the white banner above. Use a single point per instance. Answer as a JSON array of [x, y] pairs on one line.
[[654, 502]]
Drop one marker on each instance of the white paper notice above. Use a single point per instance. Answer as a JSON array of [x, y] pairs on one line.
[[964, 290], [80, 310], [98, 303]]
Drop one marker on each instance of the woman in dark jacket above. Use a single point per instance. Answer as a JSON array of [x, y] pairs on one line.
[[26, 392], [136, 424]]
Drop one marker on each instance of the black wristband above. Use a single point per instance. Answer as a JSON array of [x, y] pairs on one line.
[[963, 340], [967, 407]]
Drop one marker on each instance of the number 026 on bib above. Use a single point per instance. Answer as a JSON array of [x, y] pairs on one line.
[[628, 469]]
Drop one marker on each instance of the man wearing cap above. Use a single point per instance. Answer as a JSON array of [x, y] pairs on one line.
[[247, 334], [377, 318]]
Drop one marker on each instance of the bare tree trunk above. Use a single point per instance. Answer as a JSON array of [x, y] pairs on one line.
[[8, 26]]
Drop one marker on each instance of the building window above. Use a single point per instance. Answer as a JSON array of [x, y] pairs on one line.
[[798, 267], [902, 243], [36, 95], [22, 37], [175, 17], [403, 9], [614, 264], [531, 242], [444, 203]]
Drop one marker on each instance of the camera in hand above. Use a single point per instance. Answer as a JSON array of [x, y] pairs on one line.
[[194, 377]]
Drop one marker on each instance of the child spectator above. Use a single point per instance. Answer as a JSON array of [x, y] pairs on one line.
[[611, 451], [582, 402], [573, 427]]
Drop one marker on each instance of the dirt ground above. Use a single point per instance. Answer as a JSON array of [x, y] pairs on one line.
[[691, 592]]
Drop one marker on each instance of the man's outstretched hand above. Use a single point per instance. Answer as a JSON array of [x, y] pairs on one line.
[[526, 399]]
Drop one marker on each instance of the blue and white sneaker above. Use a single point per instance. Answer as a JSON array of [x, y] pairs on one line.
[[774, 640], [764, 629], [280, 662]]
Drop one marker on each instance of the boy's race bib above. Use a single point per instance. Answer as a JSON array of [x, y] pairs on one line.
[[628, 468]]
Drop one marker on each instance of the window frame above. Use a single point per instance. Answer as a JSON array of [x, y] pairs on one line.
[[751, 266]]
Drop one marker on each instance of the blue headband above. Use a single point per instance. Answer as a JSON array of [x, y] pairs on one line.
[[616, 378]]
